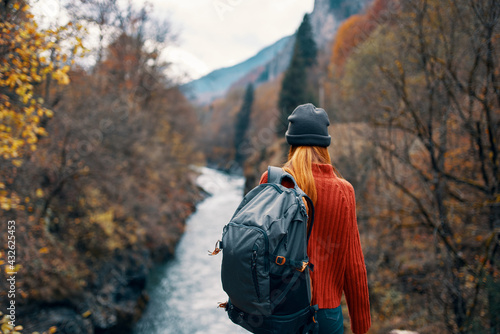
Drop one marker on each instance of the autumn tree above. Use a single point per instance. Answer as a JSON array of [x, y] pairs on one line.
[[31, 59], [101, 14], [355, 30], [427, 80]]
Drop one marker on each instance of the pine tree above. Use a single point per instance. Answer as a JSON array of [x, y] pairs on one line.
[[294, 88], [242, 124], [305, 41]]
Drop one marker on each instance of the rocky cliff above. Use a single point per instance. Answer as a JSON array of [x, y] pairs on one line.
[[328, 14]]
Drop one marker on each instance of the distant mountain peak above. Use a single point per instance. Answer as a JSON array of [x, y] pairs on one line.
[[216, 83], [273, 59]]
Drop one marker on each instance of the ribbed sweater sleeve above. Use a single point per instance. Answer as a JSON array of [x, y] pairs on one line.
[[355, 278]]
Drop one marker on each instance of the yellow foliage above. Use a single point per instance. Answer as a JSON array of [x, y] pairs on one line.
[[17, 162], [105, 220], [6, 328], [11, 271], [61, 76], [29, 57]]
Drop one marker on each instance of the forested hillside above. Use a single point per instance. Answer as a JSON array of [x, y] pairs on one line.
[[423, 74], [411, 88], [94, 165]]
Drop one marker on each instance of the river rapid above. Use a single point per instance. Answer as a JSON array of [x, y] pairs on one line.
[[185, 291]]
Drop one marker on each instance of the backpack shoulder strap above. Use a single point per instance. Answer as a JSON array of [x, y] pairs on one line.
[[276, 175], [311, 215]]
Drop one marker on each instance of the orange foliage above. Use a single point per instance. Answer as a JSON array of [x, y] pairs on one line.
[[354, 31], [349, 35]]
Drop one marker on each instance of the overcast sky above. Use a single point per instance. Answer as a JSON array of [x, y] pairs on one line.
[[221, 33], [212, 33]]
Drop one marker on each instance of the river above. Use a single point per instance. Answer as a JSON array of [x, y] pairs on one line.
[[184, 292]]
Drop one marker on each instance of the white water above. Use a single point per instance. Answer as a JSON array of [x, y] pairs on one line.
[[185, 291]]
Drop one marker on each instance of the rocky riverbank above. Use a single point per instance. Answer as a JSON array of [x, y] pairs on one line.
[[114, 296]]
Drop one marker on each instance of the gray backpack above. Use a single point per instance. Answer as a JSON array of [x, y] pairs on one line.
[[265, 267]]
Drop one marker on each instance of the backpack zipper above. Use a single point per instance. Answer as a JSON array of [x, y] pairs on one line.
[[254, 256], [254, 273], [266, 241]]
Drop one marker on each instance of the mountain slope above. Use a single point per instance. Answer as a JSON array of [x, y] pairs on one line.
[[216, 83]]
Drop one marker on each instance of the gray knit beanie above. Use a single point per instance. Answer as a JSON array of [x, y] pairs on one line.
[[308, 126]]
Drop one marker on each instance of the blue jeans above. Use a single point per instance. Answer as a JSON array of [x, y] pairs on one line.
[[330, 321]]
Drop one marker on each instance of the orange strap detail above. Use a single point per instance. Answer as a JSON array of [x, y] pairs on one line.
[[304, 266], [280, 260], [216, 250]]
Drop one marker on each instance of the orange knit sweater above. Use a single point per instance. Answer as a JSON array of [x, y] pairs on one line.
[[335, 249]]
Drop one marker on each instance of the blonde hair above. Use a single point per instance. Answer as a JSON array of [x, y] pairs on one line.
[[299, 164]]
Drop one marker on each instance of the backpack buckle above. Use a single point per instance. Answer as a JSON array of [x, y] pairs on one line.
[[304, 266], [280, 260]]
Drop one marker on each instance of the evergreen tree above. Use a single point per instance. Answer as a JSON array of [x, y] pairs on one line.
[[305, 41], [242, 123], [294, 88]]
